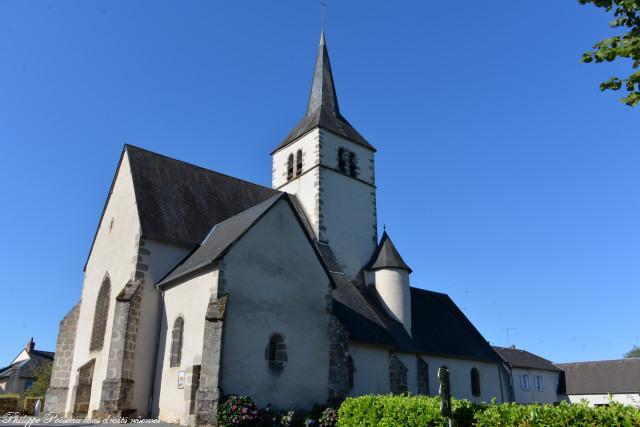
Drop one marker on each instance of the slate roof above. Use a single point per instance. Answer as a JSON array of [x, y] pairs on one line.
[[219, 240], [387, 256], [518, 358], [606, 376], [25, 367], [323, 110]]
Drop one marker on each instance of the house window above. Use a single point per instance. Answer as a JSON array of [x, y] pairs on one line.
[[353, 164], [299, 162], [276, 352], [176, 342], [100, 315], [290, 166], [524, 382], [539, 383], [475, 382], [342, 162], [27, 384]]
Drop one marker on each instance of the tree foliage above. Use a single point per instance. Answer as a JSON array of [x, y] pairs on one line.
[[626, 45], [634, 352], [41, 384]]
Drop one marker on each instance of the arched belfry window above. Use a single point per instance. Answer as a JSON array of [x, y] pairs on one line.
[[100, 315], [298, 162], [176, 342], [276, 352], [342, 162], [475, 382], [353, 164], [290, 166]]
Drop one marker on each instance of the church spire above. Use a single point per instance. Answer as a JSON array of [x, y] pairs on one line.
[[322, 108]]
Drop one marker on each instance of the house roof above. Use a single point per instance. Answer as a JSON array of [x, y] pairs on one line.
[[387, 256], [518, 358], [323, 110], [606, 376], [220, 238]]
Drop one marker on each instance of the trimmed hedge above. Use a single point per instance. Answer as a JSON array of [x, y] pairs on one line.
[[414, 411], [9, 403]]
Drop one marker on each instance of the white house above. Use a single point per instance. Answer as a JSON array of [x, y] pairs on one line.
[[533, 379], [21, 372], [601, 382], [199, 285]]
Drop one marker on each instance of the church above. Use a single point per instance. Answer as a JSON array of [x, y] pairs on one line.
[[200, 285]]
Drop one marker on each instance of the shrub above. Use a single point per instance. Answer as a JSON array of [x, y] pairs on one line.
[[399, 411], [238, 411], [30, 403], [328, 418], [9, 403]]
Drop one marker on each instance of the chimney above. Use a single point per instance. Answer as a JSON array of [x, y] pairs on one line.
[[30, 345]]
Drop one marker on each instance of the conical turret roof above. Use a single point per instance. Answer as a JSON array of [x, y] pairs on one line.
[[387, 256]]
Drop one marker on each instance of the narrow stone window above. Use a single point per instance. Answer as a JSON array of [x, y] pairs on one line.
[[176, 342], [290, 167], [475, 382], [352, 370], [299, 162], [100, 315], [353, 164], [422, 369], [342, 163], [276, 352]]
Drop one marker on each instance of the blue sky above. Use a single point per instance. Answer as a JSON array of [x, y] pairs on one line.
[[505, 178]]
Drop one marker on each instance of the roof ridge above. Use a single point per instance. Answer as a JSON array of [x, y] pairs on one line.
[[195, 166]]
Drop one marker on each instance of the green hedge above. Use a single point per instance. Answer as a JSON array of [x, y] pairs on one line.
[[9, 403], [414, 411]]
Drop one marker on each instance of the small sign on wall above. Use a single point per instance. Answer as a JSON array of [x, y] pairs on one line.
[[180, 379]]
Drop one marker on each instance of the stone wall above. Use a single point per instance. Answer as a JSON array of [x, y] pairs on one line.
[[397, 375], [340, 381], [56, 397]]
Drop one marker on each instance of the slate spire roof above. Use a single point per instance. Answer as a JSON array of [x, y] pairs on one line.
[[387, 256], [323, 110]]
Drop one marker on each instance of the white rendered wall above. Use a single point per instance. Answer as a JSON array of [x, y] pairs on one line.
[[550, 386], [372, 373], [632, 399], [189, 300], [275, 284], [114, 251], [341, 209], [392, 285]]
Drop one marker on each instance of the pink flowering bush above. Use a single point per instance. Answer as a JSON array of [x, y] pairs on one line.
[[238, 411]]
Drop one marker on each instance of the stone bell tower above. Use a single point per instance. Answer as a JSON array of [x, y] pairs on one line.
[[329, 166]]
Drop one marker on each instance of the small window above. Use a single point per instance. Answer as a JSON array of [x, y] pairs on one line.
[[475, 382], [352, 370], [539, 383], [299, 162], [290, 167], [524, 382], [353, 164], [342, 162], [100, 315], [27, 384], [176, 342], [276, 352]]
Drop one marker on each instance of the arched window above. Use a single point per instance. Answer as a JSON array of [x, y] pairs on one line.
[[176, 342], [276, 352], [353, 164], [100, 315], [299, 162], [475, 382], [422, 373], [342, 163], [290, 167]]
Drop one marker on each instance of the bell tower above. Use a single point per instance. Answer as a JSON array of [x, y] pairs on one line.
[[329, 166]]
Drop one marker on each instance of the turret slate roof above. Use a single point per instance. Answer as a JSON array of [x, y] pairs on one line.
[[322, 109], [387, 256]]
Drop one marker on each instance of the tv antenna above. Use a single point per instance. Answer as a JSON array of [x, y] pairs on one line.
[[508, 335]]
